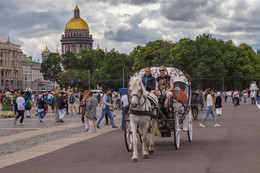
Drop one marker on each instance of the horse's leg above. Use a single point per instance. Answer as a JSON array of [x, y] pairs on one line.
[[151, 147], [144, 129], [135, 153]]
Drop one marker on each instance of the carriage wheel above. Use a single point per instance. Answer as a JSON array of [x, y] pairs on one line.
[[190, 128], [128, 134], [177, 132], [195, 113]]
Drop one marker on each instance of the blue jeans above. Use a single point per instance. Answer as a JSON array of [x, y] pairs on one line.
[[209, 109], [108, 111], [123, 117], [42, 114], [257, 100]]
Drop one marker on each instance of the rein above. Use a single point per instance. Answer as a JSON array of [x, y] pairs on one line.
[[136, 112]]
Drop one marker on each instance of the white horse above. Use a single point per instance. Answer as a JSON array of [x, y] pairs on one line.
[[141, 112]]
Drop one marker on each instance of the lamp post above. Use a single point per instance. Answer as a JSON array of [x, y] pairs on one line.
[[177, 90]]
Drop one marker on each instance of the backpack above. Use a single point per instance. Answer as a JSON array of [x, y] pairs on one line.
[[71, 99]]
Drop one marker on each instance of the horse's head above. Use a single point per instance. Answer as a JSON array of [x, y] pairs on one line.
[[136, 91]]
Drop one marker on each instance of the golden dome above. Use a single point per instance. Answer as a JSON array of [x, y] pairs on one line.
[[106, 51], [76, 23], [46, 49]]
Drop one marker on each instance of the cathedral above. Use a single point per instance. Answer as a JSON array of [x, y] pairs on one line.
[[77, 36]]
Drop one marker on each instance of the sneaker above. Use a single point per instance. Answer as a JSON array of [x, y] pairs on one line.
[[114, 127], [41, 121], [14, 121], [201, 125], [89, 131], [98, 127], [61, 121], [93, 131], [217, 125]]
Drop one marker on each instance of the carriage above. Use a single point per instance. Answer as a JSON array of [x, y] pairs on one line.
[[171, 120]]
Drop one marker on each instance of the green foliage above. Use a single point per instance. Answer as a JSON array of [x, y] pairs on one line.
[[153, 54], [207, 60], [51, 68], [69, 61]]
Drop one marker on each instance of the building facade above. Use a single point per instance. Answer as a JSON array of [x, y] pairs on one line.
[[11, 57], [77, 36], [33, 78]]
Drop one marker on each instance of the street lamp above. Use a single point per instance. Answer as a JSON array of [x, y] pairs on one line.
[[177, 90]]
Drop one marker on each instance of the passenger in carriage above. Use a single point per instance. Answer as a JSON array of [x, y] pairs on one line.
[[148, 80], [164, 85]]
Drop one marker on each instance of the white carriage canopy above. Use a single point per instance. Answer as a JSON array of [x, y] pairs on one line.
[[182, 84]]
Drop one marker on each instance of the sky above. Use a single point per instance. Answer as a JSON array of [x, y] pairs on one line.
[[125, 24]]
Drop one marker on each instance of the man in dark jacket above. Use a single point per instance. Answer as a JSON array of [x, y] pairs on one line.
[[148, 80], [62, 108]]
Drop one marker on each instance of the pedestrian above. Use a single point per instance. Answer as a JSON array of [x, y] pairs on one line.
[[81, 96], [245, 95], [28, 102], [209, 109], [236, 96], [99, 98], [257, 96], [91, 112], [66, 98], [15, 96], [218, 104], [106, 102], [62, 108], [56, 106], [20, 101], [2, 98], [83, 105], [72, 100], [253, 95], [46, 100], [41, 107], [84, 110], [226, 96], [125, 104]]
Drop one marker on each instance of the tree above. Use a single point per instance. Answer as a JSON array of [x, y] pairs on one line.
[[153, 53], [51, 68], [69, 61]]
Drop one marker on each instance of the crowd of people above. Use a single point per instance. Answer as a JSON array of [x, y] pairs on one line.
[[61, 102]]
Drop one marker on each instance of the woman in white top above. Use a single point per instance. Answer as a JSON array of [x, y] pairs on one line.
[[209, 109]]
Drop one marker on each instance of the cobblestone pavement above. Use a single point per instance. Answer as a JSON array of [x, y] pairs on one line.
[[32, 124]]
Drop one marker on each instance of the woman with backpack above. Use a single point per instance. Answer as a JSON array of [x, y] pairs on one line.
[[72, 99]]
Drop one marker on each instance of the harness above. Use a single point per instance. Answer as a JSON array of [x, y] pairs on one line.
[[145, 112]]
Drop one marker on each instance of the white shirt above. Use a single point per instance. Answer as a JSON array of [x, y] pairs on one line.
[[252, 94], [20, 101], [49, 96], [209, 100], [104, 102], [124, 101]]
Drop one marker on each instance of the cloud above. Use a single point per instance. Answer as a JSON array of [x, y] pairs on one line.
[[124, 24]]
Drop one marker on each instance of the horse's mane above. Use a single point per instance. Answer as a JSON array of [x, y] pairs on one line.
[[136, 83]]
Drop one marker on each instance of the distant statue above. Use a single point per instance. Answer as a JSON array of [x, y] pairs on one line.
[[7, 110], [253, 86]]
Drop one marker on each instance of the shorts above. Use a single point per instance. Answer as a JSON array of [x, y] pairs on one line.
[[72, 104]]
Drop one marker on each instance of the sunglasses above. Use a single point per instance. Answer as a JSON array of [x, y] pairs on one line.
[[161, 70]]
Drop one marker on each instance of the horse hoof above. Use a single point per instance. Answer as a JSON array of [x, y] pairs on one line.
[[133, 160], [151, 152], [146, 156]]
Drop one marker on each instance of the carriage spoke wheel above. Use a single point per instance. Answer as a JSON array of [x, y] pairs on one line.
[[190, 128], [177, 133], [128, 134], [195, 113]]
